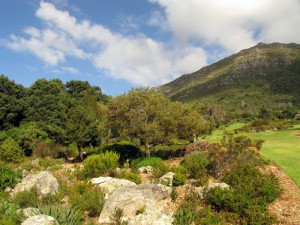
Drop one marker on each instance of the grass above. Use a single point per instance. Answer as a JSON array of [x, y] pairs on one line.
[[282, 147]]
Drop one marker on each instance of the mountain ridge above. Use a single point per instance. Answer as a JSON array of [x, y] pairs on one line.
[[270, 72]]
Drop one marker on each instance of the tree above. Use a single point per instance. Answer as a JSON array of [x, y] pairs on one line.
[[148, 117], [11, 108]]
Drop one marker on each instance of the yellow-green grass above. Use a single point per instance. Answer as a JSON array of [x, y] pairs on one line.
[[282, 147]]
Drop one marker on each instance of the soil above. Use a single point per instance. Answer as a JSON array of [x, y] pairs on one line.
[[287, 207], [297, 134]]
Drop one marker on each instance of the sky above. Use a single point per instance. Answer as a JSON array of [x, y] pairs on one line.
[[121, 44]]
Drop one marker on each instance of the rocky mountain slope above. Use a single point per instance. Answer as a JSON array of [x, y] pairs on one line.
[[266, 75]]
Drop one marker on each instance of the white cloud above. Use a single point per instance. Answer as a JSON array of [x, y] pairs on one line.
[[233, 24], [136, 58]]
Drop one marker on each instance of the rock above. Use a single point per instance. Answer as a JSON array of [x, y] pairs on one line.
[[35, 162], [200, 190], [40, 220], [146, 169], [118, 170], [167, 179], [141, 204], [44, 182], [24, 173], [110, 184]]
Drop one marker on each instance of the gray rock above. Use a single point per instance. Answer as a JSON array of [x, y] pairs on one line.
[[167, 179], [40, 220], [110, 184], [141, 204], [146, 169], [44, 182]]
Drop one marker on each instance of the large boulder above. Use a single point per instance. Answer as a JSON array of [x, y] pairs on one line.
[[167, 179], [143, 204], [44, 182], [110, 184], [40, 220]]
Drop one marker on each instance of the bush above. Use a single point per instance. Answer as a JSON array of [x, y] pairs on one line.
[[88, 198], [250, 194], [196, 164], [130, 176], [26, 199], [8, 177], [72, 150], [168, 151], [100, 164], [179, 179], [8, 212], [49, 149], [159, 166], [10, 151]]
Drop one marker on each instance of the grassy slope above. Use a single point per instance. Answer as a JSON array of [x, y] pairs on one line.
[[283, 147]]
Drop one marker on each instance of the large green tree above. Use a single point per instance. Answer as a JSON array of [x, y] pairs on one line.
[[148, 117], [11, 107]]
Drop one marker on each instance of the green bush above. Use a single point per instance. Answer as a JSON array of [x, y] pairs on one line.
[[72, 150], [179, 179], [159, 166], [8, 177], [8, 212], [10, 151], [168, 151], [251, 192], [129, 176], [88, 198], [26, 199], [196, 164], [100, 165]]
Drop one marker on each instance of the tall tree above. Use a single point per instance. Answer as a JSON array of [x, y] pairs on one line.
[[11, 108]]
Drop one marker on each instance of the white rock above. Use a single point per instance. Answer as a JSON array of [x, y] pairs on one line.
[[167, 179], [146, 169], [40, 220]]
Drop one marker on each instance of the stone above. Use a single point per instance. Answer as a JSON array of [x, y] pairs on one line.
[[146, 169], [167, 179], [29, 212], [143, 204], [200, 190], [40, 220], [44, 182], [110, 184]]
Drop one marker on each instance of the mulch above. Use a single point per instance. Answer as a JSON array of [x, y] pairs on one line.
[[287, 207]]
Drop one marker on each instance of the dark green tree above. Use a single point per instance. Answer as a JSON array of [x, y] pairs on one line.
[[11, 107]]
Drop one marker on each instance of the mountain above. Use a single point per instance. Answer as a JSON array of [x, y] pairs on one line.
[[264, 76]]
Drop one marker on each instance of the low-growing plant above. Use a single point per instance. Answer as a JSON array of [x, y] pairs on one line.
[[128, 175], [26, 199], [159, 166], [10, 151], [116, 217], [100, 164], [8, 211], [196, 164], [8, 177], [178, 179], [174, 194], [88, 198]]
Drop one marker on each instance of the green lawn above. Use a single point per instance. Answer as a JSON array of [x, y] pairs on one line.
[[282, 147]]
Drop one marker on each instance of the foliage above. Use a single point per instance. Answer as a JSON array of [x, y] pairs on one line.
[[63, 215], [126, 151], [192, 211], [128, 175], [179, 179], [116, 217], [251, 192], [88, 198], [159, 166], [100, 164], [168, 151], [8, 215], [8, 177], [10, 151], [196, 164], [26, 199], [259, 125]]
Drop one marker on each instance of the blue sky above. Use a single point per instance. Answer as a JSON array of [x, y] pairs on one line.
[[120, 44]]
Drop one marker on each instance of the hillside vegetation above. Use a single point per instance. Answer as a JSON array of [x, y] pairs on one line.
[[264, 76]]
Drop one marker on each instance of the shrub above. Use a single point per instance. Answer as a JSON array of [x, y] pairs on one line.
[[10, 151], [8, 214], [251, 192], [159, 166], [49, 149], [196, 164], [72, 150], [130, 176], [168, 151], [100, 164], [26, 199], [8, 177], [179, 179], [88, 198]]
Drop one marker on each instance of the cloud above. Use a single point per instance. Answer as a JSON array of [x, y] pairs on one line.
[[135, 58], [232, 24]]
